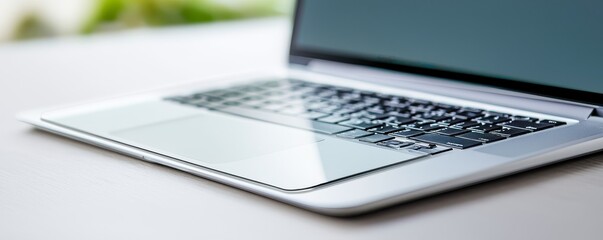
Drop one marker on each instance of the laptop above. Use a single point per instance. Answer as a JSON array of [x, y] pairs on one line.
[[382, 102]]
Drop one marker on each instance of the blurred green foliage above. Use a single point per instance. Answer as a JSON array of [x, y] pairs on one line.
[[129, 13], [107, 15]]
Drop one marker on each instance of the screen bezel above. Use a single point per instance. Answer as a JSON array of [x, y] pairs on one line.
[[297, 52]]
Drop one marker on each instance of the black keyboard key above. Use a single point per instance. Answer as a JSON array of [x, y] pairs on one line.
[[434, 117], [524, 118], [375, 138], [402, 113], [400, 120], [429, 148], [429, 126], [466, 124], [321, 127], [361, 124], [485, 127], [510, 132], [452, 121], [475, 110], [497, 114], [446, 107], [482, 137], [447, 140], [419, 111], [418, 102], [468, 114], [407, 133], [374, 116], [396, 144], [341, 90], [386, 129], [532, 126], [392, 104], [367, 93], [333, 119], [451, 131], [494, 119], [356, 133], [376, 110], [554, 122]]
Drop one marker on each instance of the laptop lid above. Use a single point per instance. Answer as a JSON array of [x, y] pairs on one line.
[[540, 47]]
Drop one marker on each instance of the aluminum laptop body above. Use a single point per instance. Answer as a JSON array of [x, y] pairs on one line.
[[374, 108]]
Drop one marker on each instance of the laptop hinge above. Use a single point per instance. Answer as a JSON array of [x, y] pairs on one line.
[[450, 88]]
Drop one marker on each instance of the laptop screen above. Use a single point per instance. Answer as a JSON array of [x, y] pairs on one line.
[[551, 48]]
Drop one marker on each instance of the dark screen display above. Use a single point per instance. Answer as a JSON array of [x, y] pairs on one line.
[[552, 43]]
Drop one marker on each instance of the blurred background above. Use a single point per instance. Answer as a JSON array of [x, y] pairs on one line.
[[27, 19]]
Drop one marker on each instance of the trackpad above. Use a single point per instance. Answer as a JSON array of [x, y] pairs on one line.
[[275, 155], [214, 138]]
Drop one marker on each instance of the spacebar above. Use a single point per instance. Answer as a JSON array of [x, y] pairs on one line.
[[321, 127]]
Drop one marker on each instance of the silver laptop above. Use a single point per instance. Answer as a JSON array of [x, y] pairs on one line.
[[382, 102]]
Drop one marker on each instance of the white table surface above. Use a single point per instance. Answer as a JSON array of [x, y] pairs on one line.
[[55, 188]]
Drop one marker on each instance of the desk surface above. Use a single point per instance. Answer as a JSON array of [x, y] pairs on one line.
[[55, 188]]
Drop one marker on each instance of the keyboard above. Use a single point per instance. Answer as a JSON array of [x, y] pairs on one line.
[[384, 120]]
